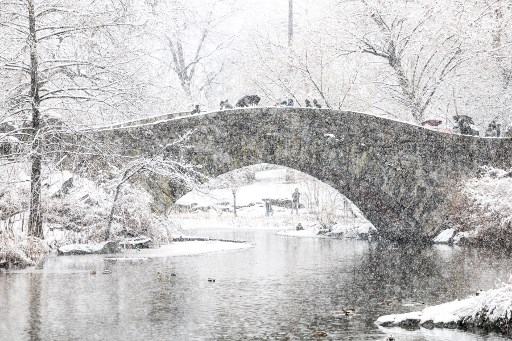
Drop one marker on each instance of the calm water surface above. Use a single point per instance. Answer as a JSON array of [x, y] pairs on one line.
[[284, 288]]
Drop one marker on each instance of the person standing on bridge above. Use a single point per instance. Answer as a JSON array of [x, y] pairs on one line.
[[196, 110], [491, 130], [295, 201]]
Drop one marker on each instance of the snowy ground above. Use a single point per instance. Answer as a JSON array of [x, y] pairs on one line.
[[273, 184], [212, 209], [268, 185], [491, 310]]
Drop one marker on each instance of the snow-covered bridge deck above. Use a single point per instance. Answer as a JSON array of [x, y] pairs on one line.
[[403, 177]]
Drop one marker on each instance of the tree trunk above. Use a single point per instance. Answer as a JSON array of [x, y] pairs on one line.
[[113, 208], [126, 176], [35, 226]]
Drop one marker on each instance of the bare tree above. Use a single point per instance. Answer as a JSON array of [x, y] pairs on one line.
[[63, 58], [177, 171], [501, 12], [419, 72], [304, 66], [191, 42]]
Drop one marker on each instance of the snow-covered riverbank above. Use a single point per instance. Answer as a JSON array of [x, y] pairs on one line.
[[187, 248], [178, 248], [487, 310]]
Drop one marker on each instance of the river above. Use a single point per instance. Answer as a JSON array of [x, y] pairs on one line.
[[284, 288]]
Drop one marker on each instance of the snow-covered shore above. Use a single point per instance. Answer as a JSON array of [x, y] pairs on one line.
[[178, 248], [187, 248], [488, 310], [75, 223]]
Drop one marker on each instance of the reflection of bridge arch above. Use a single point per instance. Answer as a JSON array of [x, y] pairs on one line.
[[401, 176]]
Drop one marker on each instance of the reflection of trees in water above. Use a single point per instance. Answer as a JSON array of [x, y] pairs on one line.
[[167, 299], [395, 278], [483, 268], [391, 275], [34, 322], [402, 271]]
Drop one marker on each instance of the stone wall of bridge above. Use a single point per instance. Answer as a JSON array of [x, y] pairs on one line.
[[401, 176]]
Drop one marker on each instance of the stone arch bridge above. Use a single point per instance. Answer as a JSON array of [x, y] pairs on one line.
[[401, 176]]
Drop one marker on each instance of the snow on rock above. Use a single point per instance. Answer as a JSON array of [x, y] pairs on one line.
[[489, 310], [136, 242], [93, 248], [445, 236], [246, 195], [461, 237], [276, 185], [188, 248]]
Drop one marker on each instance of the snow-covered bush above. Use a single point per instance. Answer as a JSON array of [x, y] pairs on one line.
[[81, 209], [134, 217], [20, 252], [13, 199], [482, 209], [14, 190]]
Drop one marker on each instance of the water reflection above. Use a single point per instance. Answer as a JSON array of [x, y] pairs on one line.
[[285, 288], [34, 294]]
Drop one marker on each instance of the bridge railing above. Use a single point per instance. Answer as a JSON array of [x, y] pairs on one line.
[[140, 121]]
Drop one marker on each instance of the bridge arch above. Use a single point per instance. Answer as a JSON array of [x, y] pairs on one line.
[[401, 176]]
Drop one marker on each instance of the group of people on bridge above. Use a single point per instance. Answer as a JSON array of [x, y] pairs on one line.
[[254, 100], [493, 130], [290, 103], [464, 125]]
